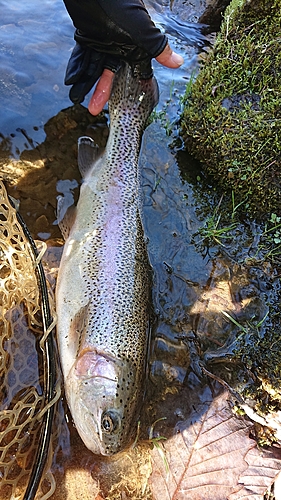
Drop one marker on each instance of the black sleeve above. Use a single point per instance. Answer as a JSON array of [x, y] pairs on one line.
[[121, 22]]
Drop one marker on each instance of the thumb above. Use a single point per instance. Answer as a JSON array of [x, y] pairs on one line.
[[101, 93], [169, 58]]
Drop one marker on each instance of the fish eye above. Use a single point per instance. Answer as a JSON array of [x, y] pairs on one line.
[[110, 421]]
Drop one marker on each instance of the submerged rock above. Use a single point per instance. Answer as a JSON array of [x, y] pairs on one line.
[[231, 120]]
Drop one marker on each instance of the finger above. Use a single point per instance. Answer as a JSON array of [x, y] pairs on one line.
[[101, 93], [169, 58]]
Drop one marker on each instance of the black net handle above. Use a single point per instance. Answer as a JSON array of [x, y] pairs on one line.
[[50, 372]]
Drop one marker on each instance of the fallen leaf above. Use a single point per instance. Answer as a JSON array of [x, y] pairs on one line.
[[213, 457]]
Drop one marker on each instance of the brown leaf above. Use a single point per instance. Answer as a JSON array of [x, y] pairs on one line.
[[212, 457]]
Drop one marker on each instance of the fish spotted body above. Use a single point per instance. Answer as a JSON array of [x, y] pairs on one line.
[[103, 287]]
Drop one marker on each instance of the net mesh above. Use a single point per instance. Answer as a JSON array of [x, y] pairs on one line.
[[21, 360]]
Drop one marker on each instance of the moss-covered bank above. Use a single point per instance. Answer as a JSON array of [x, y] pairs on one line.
[[232, 117]]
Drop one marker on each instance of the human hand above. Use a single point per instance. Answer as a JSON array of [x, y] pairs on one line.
[[108, 31], [102, 91]]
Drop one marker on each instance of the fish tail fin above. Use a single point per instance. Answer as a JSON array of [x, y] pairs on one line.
[[132, 96]]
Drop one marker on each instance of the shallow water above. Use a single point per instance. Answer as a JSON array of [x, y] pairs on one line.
[[35, 45], [193, 281]]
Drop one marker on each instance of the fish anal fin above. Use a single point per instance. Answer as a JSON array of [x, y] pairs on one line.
[[88, 153], [65, 216]]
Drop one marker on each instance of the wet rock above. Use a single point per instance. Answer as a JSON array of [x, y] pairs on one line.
[[41, 224], [213, 13]]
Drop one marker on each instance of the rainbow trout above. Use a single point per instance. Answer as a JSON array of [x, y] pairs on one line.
[[103, 285]]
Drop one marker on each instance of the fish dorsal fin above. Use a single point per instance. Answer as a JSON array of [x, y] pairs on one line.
[[65, 216], [88, 154]]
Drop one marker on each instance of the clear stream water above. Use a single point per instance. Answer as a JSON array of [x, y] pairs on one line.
[[193, 282], [35, 44]]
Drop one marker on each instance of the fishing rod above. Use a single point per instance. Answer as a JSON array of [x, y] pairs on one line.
[[50, 369]]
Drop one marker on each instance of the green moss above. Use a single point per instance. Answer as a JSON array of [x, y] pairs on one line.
[[232, 118]]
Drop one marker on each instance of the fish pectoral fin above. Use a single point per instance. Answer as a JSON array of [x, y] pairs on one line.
[[88, 153], [65, 216], [79, 325]]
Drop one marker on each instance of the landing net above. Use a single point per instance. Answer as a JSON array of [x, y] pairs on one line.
[[27, 363]]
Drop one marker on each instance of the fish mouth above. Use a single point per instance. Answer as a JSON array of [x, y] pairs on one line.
[[100, 429], [88, 430]]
